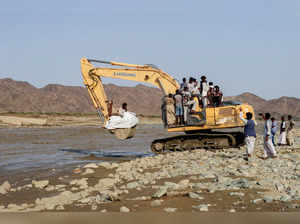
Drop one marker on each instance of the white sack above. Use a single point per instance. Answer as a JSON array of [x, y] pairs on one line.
[[128, 120]]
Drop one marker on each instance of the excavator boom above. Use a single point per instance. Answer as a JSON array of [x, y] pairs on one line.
[[138, 73]]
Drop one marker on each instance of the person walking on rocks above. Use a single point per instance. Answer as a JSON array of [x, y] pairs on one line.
[[249, 132], [290, 131], [273, 130], [269, 149], [282, 136]]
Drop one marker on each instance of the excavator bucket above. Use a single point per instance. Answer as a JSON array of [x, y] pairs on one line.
[[124, 133]]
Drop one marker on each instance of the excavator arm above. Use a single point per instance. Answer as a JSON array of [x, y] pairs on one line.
[[138, 73]]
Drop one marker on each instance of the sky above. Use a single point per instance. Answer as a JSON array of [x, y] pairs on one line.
[[242, 46]]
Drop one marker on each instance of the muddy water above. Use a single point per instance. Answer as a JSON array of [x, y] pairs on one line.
[[27, 149]]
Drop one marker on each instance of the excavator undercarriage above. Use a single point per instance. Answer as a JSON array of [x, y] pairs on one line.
[[188, 142]]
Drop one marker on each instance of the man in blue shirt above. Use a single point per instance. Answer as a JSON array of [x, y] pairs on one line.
[[250, 133]]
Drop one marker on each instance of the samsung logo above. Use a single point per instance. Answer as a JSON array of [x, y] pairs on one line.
[[124, 74]]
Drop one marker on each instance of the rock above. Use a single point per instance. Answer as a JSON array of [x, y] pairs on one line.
[[232, 210], [142, 198], [170, 209], [171, 185], [195, 196], [28, 186], [60, 207], [50, 188], [240, 183], [293, 206], [82, 183], [268, 199], [256, 201], [88, 171], [184, 183], [105, 183], [132, 185], [124, 209], [103, 210], [40, 184], [285, 198], [201, 207], [91, 165], [5, 187], [161, 192], [94, 207], [156, 203], [106, 165], [239, 194], [279, 187]]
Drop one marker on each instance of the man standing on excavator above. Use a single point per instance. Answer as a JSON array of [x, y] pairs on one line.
[[204, 87]]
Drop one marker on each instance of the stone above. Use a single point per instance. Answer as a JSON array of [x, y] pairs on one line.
[[50, 188], [5, 187], [106, 183], [82, 183], [201, 207], [91, 165], [124, 209], [239, 194], [40, 184], [141, 198], [268, 199], [232, 210], [240, 183], [161, 192], [293, 206], [285, 198], [171, 185], [94, 207], [132, 185], [279, 187], [183, 183], [170, 209], [156, 203], [106, 165], [88, 171], [256, 201], [195, 196], [60, 207], [103, 210]]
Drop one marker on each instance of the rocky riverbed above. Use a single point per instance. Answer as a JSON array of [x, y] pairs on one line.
[[197, 181]]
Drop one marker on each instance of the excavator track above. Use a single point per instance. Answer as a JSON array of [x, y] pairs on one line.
[[188, 142]]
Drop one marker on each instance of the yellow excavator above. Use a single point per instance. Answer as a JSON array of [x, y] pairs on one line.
[[211, 127]]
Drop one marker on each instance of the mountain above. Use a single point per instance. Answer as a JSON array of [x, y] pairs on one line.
[[19, 96]]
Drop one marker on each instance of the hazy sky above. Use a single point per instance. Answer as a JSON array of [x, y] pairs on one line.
[[241, 45]]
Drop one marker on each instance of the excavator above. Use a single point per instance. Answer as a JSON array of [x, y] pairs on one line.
[[209, 128]]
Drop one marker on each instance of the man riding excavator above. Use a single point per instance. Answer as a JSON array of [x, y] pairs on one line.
[[200, 123]]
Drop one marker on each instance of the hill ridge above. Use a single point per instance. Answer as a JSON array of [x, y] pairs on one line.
[[21, 96]]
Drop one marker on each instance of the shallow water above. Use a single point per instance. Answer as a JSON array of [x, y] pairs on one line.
[[56, 147]]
